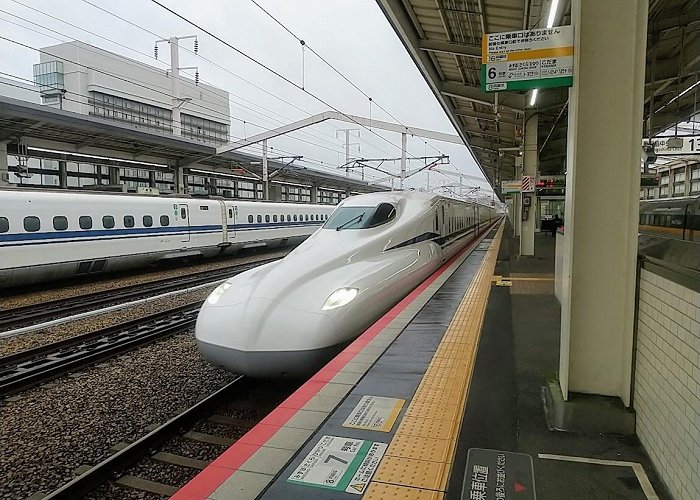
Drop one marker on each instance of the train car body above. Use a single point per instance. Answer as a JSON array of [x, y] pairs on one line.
[[677, 218], [53, 235], [286, 318]]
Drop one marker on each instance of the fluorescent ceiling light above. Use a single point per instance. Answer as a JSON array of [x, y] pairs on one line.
[[533, 97], [550, 22], [552, 13]]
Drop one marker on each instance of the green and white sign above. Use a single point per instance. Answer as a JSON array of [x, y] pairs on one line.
[[340, 464], [521, 60]]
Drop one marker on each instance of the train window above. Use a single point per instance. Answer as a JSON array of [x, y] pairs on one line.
[[60, 223], [164, 220], [306, 217], [147, 221], [183, 213], [289, 218], [259, 218], [129, 221], [32, 224], [108, 222], [250, 219], [383, 214], [4, 225], [295, 217], [230, 213], [274, 218], [85, 222], [267, 218]]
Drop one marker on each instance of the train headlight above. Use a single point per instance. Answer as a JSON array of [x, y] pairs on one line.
[[339, 298], [218, 292]]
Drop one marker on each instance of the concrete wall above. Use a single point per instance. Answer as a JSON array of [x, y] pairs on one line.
[[667, 381], [135, 81], [18, 89]]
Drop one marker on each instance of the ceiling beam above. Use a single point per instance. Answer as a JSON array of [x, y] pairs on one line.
[[515, 102], [467, 50], [488, 116]]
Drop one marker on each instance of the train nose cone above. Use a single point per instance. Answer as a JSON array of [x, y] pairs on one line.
[[264, 337]]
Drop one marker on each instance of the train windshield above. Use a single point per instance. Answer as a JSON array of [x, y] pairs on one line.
[[361, 217]]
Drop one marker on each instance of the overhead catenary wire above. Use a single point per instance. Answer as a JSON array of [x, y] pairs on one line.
[[269, 69], [236, 75], [166, 90], [336, 70]]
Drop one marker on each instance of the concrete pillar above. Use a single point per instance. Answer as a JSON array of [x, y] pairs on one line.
[[265, 172], [602, 197], [114, 176], [180, 180], [4, 172], [152, 178], [530, 164], [63, 174], [235, 189], [314, 193]]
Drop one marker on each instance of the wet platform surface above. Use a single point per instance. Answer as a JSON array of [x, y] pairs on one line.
[[458, 365]]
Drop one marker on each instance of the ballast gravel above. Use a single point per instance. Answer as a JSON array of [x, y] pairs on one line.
[[133, 278], [49, 431], [17, 343]]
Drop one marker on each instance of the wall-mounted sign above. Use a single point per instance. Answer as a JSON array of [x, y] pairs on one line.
[[512, 186], [689, 145], [649, 180], [528, 184], [521, 60]]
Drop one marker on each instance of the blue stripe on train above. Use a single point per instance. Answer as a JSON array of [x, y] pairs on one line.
[[110, 234]]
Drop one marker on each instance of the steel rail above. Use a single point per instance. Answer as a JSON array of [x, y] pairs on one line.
[[109, 468], [99, 346], [36, 313]]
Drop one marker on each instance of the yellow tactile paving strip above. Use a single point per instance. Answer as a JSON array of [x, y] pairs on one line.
[[419, 459]]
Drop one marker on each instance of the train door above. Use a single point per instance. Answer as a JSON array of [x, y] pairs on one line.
[[185, 218], [232, 213]]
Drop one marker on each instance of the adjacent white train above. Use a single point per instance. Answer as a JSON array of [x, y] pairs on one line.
[[48, 235], [288, 317]]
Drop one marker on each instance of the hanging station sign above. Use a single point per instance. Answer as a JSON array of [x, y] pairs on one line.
[[522, 60], [511, 186], [684, 145]]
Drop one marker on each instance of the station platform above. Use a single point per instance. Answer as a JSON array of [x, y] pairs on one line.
[[440, 399]]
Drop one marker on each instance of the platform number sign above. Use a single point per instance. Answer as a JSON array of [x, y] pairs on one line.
[[340, 464]]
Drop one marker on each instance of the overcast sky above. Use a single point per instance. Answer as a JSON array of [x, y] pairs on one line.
[[353, 35]]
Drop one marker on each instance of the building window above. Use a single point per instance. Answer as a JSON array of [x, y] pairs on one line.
[[125, 110]]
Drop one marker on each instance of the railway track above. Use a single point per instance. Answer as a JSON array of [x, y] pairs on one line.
[[28, 368], [18, 317], [129, 465]]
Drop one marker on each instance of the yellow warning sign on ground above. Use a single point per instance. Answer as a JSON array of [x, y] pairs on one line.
[[375, 413]]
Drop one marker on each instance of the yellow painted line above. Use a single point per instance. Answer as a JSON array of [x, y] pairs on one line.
[[509, 278], [419, 459], [540, 53]]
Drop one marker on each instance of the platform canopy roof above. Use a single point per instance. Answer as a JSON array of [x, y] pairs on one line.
[[71, 136], [444, 39]]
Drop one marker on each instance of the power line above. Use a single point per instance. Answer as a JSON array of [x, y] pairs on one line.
[[337, 71], [269, 69], [217, 116], [291, 104]]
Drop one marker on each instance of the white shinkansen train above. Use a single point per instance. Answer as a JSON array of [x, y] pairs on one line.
[[288, 317], [48, 235]]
